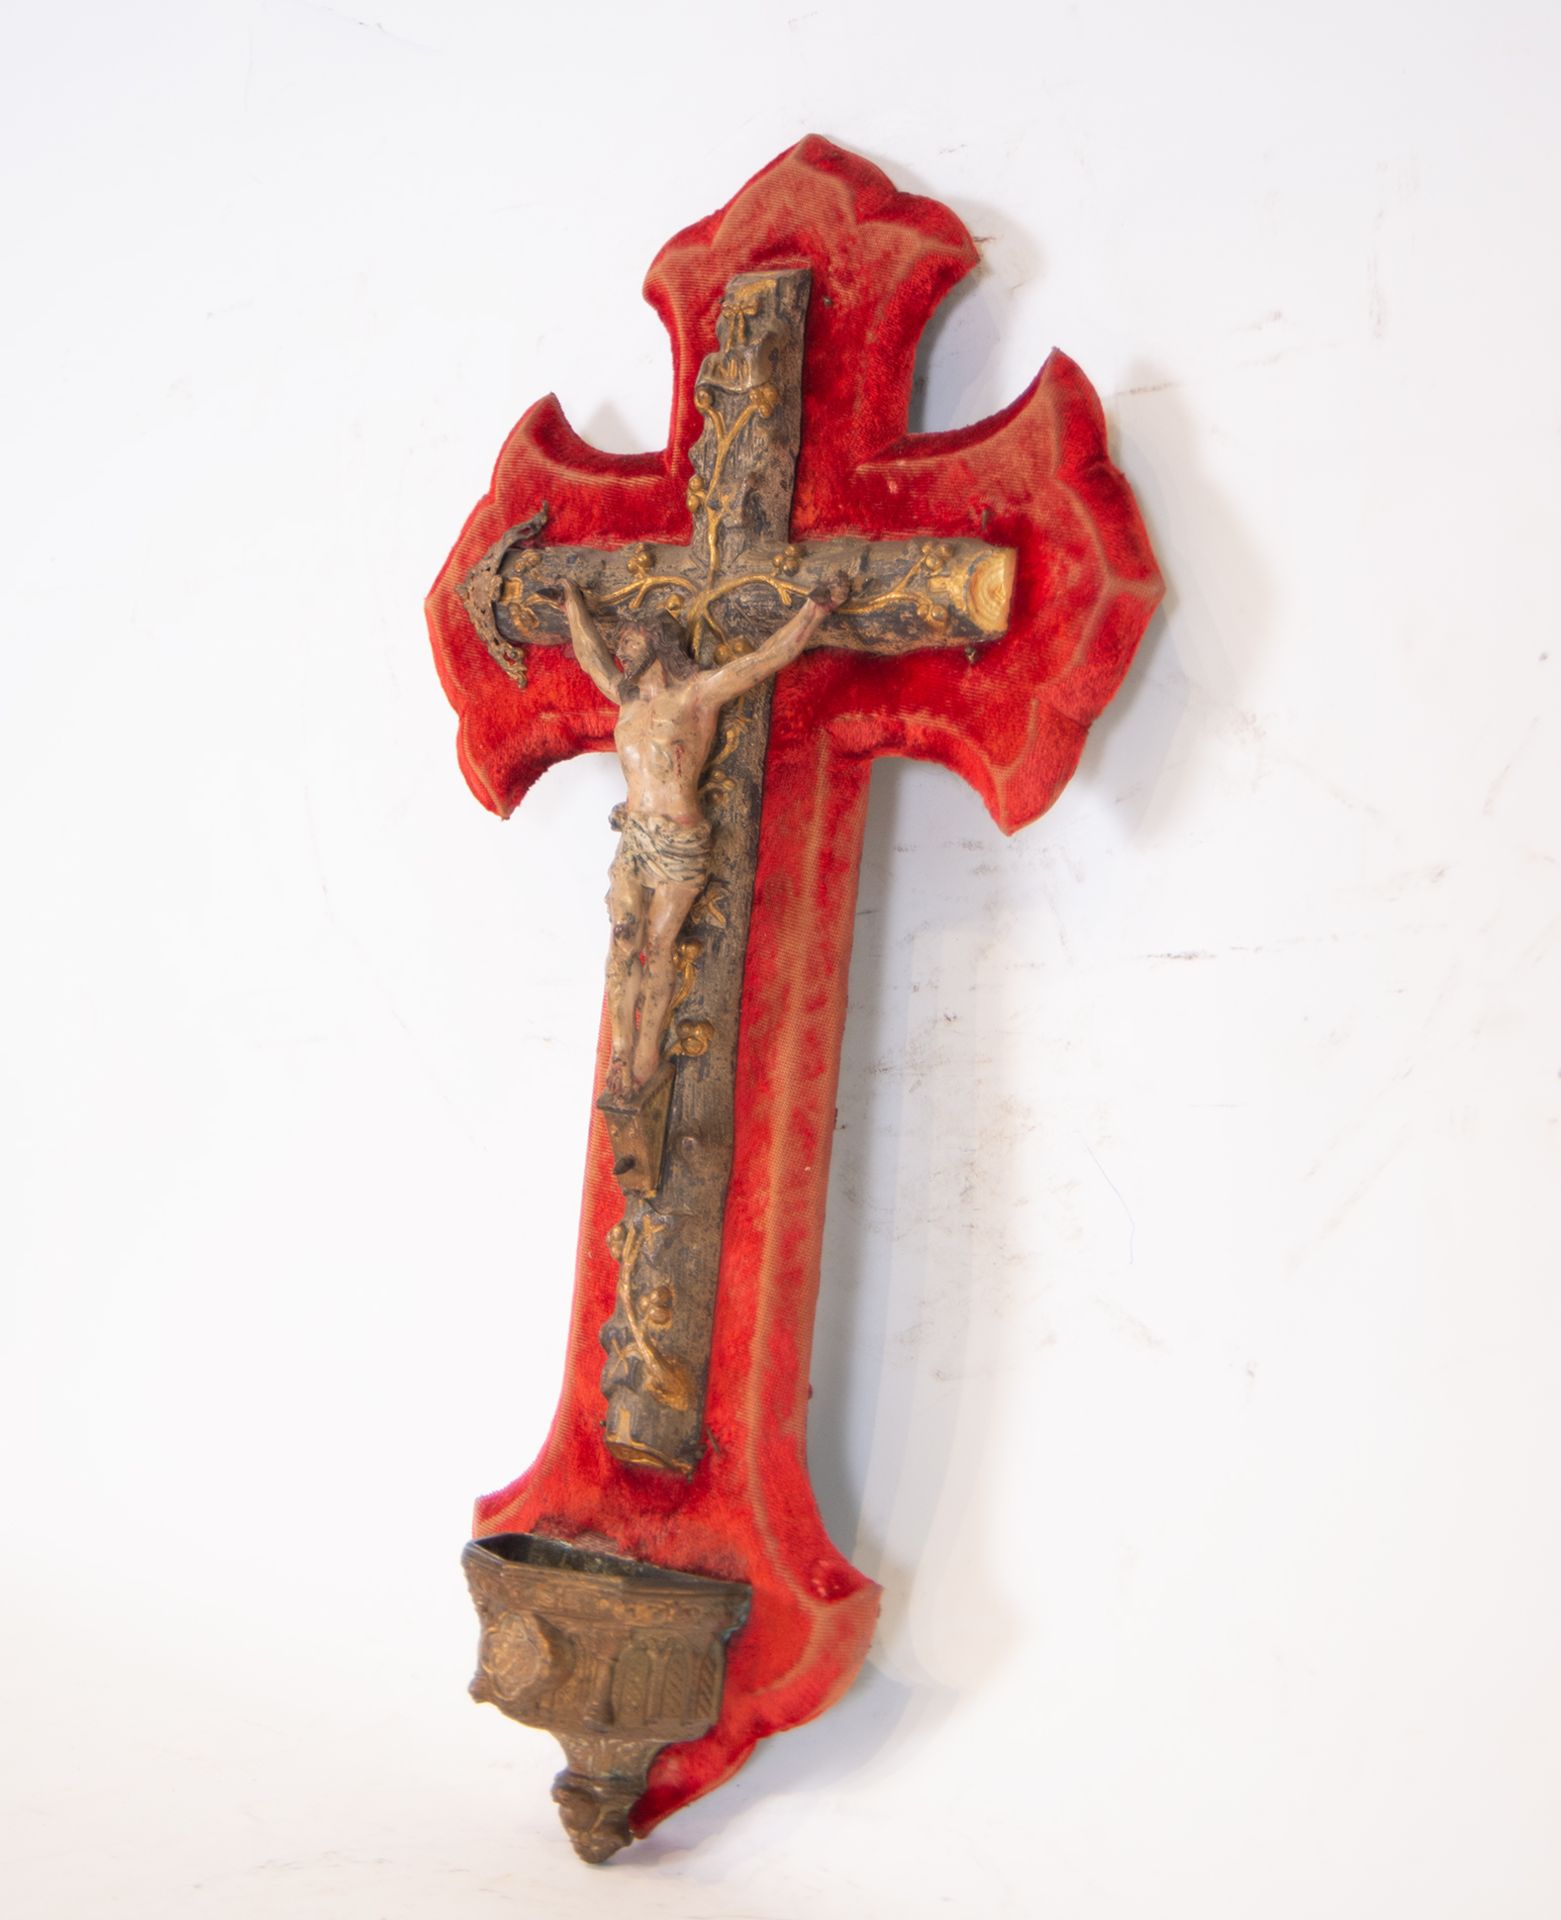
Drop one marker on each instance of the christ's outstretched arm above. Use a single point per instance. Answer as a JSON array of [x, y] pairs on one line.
[[721, 684], [589, 647]]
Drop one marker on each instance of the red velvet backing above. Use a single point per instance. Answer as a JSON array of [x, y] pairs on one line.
[[1035, 477]]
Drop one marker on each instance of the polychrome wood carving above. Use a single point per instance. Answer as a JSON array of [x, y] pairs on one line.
[[792, 587]]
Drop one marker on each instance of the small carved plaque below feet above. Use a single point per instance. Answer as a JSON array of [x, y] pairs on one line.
[[637, 1124]]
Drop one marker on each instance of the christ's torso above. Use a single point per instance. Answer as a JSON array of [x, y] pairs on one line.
[[663, 739]]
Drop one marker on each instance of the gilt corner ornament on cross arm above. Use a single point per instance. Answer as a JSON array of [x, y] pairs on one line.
[[793, 587]]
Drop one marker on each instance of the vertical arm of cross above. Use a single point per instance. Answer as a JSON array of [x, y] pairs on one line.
[[667, 1246]]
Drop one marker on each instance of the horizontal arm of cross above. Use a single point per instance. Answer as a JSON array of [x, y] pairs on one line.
[[904, 594]]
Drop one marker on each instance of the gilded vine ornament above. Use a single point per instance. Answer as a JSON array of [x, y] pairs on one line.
[[708, 910], [665, 1377]]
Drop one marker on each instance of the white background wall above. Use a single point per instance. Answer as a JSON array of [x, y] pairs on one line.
[[1190, 1339]]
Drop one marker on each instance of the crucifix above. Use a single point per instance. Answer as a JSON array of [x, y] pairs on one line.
[[700, 631], [821, 587]]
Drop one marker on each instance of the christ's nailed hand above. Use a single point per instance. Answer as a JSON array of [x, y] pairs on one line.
[[831, 593]]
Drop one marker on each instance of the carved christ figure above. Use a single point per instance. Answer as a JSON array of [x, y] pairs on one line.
[[668, 709]]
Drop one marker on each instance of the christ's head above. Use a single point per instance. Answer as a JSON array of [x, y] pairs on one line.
[[644, 639]]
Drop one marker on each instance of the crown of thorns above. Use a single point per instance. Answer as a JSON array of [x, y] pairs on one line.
[[652, 621]]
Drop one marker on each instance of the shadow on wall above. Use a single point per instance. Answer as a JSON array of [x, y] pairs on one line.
[[919, 1242], [1219, 593], [900, 1421], [1190, 673], [918, 1237]]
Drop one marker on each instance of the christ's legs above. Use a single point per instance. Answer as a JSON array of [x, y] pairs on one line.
[[626, 907], [669, 906]]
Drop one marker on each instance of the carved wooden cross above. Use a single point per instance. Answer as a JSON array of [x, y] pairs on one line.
[[1002, 577], [729, 586]]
